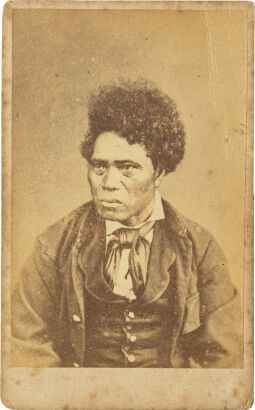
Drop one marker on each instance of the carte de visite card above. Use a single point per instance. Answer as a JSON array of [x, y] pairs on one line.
[[127, 205]]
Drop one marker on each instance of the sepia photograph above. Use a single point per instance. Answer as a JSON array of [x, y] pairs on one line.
[[128, 198]]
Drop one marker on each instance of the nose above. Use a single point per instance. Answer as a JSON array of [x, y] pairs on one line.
[[110, 180]]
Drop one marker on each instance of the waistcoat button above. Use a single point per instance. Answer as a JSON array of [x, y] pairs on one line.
[[131, 358], [133, 338], [76, 365], [76, 318], [78, 243], [131, 315]]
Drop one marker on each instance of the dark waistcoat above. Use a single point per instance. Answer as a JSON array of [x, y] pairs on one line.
[[123, 334]]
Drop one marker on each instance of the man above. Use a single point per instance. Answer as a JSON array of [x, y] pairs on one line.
[[125, 281]]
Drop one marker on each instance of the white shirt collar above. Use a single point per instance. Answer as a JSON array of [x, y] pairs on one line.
[[157, 214]]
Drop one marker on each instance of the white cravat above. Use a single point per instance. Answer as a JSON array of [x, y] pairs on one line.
[[123, 285]]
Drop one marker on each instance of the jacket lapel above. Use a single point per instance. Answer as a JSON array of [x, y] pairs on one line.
[[170, 265], [91, 260], [182, 247]]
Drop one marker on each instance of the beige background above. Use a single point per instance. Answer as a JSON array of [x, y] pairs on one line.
[[208, 186], [197, 57]]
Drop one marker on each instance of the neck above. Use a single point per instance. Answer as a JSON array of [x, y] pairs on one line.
[[141, 217]]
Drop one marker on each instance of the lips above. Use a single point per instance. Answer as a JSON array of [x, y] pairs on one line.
[[110, 203]]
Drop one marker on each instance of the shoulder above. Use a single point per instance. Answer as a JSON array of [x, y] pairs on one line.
[[62, 233]]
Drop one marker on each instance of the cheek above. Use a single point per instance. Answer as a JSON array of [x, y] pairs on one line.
[[94, 181], [140, 188]]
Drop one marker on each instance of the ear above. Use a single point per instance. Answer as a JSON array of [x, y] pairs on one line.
[[159, 176]]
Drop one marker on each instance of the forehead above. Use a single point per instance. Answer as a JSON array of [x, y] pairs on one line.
[[110, 147]]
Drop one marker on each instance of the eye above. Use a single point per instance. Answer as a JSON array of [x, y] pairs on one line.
[[127, 170], [99, 168], [126, 167]]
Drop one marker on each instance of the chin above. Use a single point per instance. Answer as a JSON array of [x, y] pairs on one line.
[[111, 214]]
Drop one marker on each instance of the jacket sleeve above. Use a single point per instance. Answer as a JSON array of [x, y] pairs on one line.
[[33, 311], [218, 342]]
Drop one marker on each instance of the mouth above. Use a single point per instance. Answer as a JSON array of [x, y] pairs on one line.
[[113, 203]]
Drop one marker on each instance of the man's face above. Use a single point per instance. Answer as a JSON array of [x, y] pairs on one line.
[[122, 180]]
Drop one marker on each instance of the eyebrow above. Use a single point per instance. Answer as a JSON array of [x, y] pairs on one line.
[[129, 161], [117, 162]]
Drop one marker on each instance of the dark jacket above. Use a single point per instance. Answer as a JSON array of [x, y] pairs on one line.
[[48, 318]]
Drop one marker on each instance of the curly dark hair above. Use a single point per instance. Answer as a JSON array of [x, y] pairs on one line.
[[140, 113]]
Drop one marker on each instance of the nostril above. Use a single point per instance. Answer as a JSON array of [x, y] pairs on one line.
[[108, 188]]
